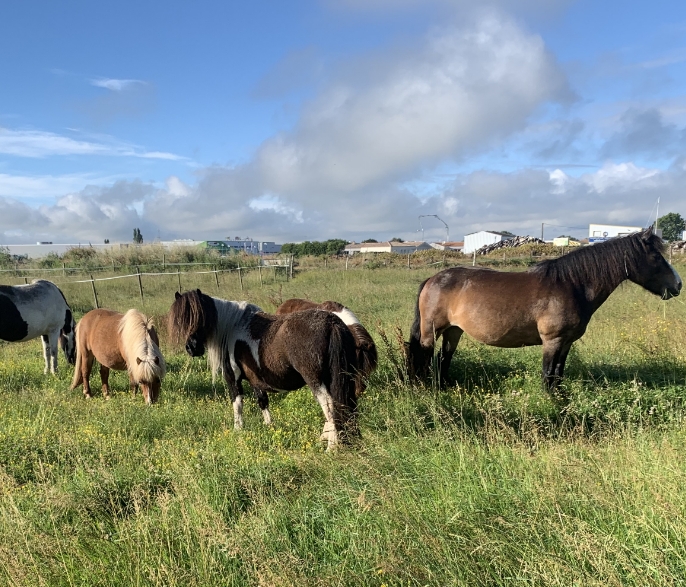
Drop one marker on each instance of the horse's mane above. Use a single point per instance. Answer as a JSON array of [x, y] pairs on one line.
[[606, 264], [222, 321], [143, 357]]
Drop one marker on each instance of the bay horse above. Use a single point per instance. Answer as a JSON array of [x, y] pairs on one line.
[[38, 309], [367, 357], [313, 348], [551, 304], [123, 342]]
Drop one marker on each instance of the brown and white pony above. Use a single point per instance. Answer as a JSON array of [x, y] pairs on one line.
[[367, 357], [313, 348], [123, 342], [551, 304]]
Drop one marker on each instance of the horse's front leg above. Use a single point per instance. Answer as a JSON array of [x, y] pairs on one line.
[[50, 351], [86, 367], [236, 394], [263, 401], [555, 353]]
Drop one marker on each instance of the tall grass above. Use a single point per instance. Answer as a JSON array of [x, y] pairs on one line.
[[490, 482]]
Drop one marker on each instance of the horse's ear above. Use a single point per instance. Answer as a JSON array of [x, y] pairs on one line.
[[199, 292], [138, 361], [177, 295], [647, 233]]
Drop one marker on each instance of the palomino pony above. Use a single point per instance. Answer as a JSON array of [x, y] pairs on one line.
[[312, 347], [123, 342], [38, 309], [550, 304], [367, 357]]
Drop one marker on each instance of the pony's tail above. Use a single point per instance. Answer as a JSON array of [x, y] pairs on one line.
[[415, 352], [342, 369], [78, 374], [367, 356]]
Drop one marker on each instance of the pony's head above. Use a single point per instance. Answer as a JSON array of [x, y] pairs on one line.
[[653, 273], [192, 321], [150, 387], [67, 338]]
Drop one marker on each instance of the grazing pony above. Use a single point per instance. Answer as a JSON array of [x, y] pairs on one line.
[[123, 342], [38, 309], [367, 357], [551, 304], [312, 347]]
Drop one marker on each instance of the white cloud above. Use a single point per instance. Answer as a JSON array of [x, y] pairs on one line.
[[38, 144], [116, 85], [625, 176]]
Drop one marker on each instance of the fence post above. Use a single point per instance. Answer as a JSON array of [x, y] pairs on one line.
[[140, 283], [26, 279], [259, 269], [346, 262], [216, 278], [240, 277], [178, 274], [95, 294], [64, 269], [164, 261], [291, 268], [474, 259], [408, 260], [325, 262], [670, 254]]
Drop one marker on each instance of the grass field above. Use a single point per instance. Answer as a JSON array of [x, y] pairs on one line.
[[487, 483]]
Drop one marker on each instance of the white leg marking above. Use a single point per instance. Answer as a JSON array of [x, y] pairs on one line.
[[238, 413], [46, 355], [267, 417], [325, 400]]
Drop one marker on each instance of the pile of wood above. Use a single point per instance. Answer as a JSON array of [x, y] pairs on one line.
[[678, 246], [517, 241]]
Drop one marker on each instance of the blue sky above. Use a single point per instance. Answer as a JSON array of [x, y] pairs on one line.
[[338, 118]]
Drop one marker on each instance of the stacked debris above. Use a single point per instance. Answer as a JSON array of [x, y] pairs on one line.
[[678, 246], [517, 241]]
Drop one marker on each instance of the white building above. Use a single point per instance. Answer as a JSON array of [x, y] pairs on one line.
[[388, 247], [598, 233], [449, 246], [476, 240]]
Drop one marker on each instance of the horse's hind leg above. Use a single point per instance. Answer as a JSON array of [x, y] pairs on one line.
[[263, 401], [451, 338], [86, 367], [46, 352], [105, 378], [323, 397]]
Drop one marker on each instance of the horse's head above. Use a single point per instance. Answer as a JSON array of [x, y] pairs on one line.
[[654, 273], [192, 320], [67, 338], [150, 372]]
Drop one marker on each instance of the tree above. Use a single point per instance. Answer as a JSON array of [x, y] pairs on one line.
[[107, 241], [395, 239], [672, 225], [370, 240], [137, 236]]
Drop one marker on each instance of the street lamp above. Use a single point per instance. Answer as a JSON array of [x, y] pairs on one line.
[[441, 220]]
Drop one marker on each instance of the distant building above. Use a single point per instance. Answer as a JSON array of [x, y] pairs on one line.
[[449, 246], [598, 233], [248, 246], [387, 247], [476, 240]]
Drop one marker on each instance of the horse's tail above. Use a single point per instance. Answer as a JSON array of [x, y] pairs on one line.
[[78, 373], [367, 356], [416, 354], [342, 371]]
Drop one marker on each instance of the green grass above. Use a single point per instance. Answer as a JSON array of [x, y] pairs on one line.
[[490, 482]]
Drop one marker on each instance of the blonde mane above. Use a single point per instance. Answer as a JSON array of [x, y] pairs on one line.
[[144, 360]]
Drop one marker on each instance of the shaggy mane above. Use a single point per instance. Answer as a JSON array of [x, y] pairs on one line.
[[134, 331], [606, 264]]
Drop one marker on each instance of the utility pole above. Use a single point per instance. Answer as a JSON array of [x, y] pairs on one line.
[[542, 225]]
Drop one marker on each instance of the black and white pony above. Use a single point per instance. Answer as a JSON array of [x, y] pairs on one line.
[[313, 348], [38, 309]]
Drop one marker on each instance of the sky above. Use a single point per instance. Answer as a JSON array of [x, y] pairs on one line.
[[317, 119]]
